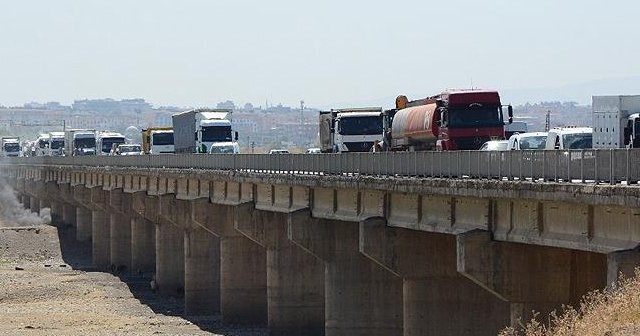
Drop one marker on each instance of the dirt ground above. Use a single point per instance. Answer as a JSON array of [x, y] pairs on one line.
[[47, 287]]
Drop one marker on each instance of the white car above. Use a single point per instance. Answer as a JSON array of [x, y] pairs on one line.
[[494, 145], [224, 148], [531, 140], [278, 151], [570, 138], [127, 149], [313, 151]]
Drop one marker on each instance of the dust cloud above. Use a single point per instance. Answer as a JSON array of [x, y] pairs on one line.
[[13, 213]]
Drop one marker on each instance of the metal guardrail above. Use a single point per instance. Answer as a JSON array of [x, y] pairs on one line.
[[576, 166]]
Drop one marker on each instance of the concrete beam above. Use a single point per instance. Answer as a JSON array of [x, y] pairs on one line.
[[295, 278]]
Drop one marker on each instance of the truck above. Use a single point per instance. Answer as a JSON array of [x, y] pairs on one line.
[[10, 146], [56, 144], [157, 140], [107, 141], [451, 120], [41, 145], [570, 137], [350, 129], [196, 130], [616, 121], [78, 142]]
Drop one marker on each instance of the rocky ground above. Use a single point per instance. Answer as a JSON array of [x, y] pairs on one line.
[[47, 287]]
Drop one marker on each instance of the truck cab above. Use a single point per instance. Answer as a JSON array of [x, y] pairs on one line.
[[11, 146], [80, 142], [350, 130], [56, 144], [107, 141], [632, 131]]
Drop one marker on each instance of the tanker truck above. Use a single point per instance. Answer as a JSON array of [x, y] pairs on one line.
[[452, 120]]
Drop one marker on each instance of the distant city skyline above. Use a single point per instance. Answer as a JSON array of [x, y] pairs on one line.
[[199, 52]]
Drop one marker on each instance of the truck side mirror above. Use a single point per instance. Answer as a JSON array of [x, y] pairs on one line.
[[510, 113], [236, 135]]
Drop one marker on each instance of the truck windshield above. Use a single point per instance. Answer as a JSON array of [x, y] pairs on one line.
[[86, 143], [11, 147], [577, 141], [107, 143], [361, 125], [162, 139], [216, 133], [56, 144], [475, 117]]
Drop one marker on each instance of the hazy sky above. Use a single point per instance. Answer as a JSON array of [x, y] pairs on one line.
[[199, 52]]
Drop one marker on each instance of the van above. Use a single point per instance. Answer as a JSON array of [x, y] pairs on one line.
[[570, 138]]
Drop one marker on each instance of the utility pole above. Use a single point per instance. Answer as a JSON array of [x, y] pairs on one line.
[[547, 121], [301, 110]]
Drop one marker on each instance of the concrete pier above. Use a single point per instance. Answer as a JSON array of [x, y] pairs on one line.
[[243, 271], [169, 259], [202, 273], [56, 213], [143, 246], [84, 224], [433, 290], [68, 214], [34, 205], [120, 241], [352, 281], [101, 239], [529, 277], [295, 278]]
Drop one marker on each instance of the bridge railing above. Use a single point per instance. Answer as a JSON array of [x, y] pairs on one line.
[[577, 166]]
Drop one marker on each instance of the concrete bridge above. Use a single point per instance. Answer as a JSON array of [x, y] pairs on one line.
[[461, 243]]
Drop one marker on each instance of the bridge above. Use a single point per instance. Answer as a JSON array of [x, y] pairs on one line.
[[415, 243]]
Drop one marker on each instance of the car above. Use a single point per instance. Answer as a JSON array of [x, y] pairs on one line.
[[494, 145], [224, 148], [127, 149], [530, 140], [278, 151], [570, 138], [313, 150]]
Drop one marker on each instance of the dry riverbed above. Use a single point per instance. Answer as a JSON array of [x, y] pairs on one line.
[[47, 287]]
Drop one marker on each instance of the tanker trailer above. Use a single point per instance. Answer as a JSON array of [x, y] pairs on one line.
[[452, 120]]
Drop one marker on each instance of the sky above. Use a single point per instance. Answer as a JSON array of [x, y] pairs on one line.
[[200, 52]]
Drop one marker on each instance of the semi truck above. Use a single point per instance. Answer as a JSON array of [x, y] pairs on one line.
[[157, 140], [616, 121], [196, 130], [10, 146], [78, 142], [350, 129], [107, 141], [56, 144], [42, 144], [451, 120]]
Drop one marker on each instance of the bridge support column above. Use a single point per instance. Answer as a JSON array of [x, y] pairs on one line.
[[361, 298], [24, 199], [529, 277], [44, 203], [120, 241], [243, 271], [169, 259], [34, 204], [202, 273], [84, 223], [621, 263], [295, 278], [143, 246], [56, 213], [68, 214], [433, 290], [100, 239]]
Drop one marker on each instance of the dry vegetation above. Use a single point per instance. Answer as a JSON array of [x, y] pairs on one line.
[[609, 312]]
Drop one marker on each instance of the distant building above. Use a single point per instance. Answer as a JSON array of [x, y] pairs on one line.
[[109, 105]]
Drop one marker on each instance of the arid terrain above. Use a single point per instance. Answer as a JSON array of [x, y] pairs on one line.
[[48, 287]]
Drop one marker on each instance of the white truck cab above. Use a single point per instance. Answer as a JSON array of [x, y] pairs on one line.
[[570, 138]]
